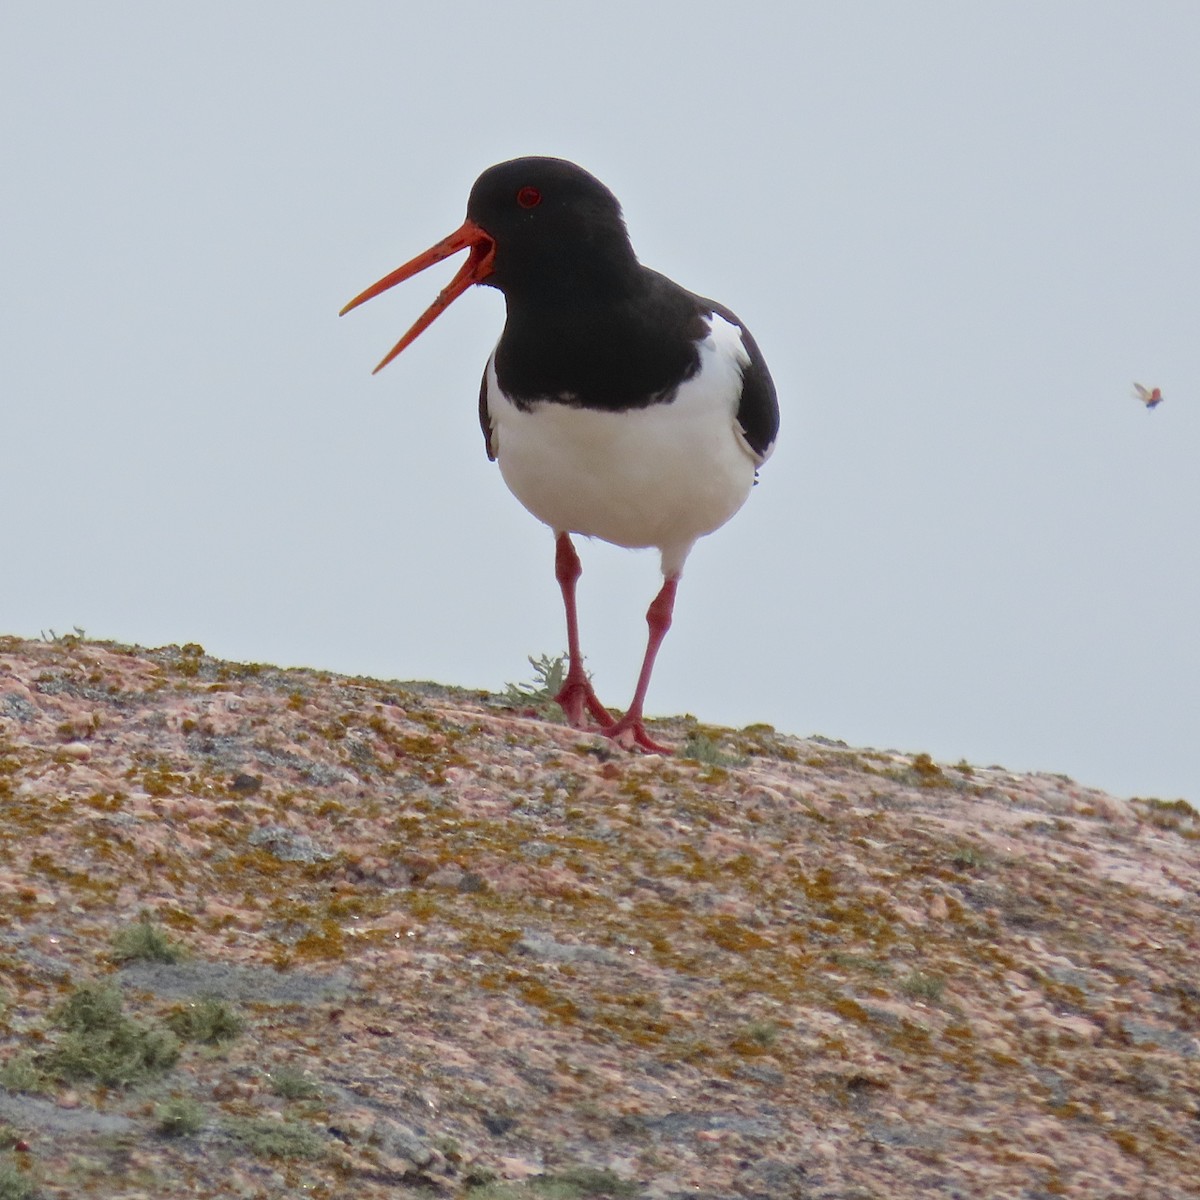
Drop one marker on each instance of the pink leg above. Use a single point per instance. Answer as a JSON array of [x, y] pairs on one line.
[[629, 731], [576, 693]]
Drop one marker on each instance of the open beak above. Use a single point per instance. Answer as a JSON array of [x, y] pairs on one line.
[[477, 268]]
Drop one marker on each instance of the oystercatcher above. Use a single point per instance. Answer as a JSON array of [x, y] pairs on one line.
[[617, 404]]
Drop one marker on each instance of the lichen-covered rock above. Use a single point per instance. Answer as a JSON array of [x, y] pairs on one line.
[[494, 949]]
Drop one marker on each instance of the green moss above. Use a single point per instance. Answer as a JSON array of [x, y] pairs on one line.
[[325, 941], [106, 803], [730, 934], [850, 1009], [159, 782], [554, 1003]]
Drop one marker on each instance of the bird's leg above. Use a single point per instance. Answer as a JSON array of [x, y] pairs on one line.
[[576, 693], [629, 731]]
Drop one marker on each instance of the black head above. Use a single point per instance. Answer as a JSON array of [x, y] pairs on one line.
[[553, 224], [542, 230]]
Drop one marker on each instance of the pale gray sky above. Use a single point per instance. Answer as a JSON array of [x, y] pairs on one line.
[[959, 233]]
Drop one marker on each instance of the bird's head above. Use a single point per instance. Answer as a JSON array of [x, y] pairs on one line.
[[534, 227]]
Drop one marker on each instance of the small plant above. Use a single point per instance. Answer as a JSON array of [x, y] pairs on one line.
[[143, 941], [294, 1085], [549, 676], [101, 1043], [21, 1073], [862, 962], [702, 749], [179, 1117], [926, 773], [208, 1021], [270, 1138], [969, 858], [922, 986], [574, 1183], [764, 1033], [15, 1184], [592, 1181]]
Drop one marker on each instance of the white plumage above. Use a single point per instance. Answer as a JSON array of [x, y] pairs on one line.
[[660, 476]]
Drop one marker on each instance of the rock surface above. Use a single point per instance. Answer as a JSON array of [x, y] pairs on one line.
[[479, 954]]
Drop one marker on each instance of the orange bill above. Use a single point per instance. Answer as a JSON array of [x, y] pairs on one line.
[[477, 268]]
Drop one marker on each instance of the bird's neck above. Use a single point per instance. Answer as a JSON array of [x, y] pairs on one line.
[[620, 349]]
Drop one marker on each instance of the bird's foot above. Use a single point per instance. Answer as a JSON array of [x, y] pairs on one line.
[[630, 733], [576, 698]]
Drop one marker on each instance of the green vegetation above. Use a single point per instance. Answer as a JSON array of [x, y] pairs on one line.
[[702, 749], [969, 858], [294, 1085], [101, 1043], [208, 1021], [272, 1138], [179, 1117], [921, 986], [15, 1184], [549, 676], [21, 1073], [575, 1183], [143, 941]]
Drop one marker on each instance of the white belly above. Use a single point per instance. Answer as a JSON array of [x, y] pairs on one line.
[[660, 476]]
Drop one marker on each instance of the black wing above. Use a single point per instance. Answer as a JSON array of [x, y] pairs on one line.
[[758, 406], [485, 418]]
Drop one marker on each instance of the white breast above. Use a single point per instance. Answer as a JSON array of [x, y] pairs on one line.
[[659, 476]]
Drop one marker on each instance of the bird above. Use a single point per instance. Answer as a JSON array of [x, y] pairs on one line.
[[1148, 396], [617, 404]]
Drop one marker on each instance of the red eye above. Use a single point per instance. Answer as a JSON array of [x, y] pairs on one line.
[[529, 197]]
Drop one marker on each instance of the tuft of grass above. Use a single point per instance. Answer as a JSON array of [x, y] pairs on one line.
[[549, 674], [99, 1042], [764, 1033], [179, 1117], [969, 858], [922, 986], [574, 1183], [143, 941], [274, 1138], [702, 749], [1176, 815], [926, 773], [15, 1184], [294, 1085], [207, 1020], [861, 962], [21, 1073]]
